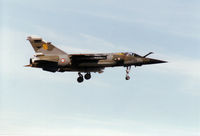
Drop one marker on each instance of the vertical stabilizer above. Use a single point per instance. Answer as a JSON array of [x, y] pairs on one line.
[[41, 46]]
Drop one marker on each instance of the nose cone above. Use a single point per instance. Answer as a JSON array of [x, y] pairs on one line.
[[154, 61]]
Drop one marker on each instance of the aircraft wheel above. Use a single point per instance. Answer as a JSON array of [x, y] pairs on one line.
[[80, 79], [127, 77], [87, 76]]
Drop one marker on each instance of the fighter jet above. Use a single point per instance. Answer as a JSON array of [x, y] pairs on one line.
[[50, 58]]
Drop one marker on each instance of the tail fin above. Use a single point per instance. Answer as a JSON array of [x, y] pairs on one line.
[[41, 46]]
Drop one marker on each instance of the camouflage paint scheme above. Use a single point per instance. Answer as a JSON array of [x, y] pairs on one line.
[[50, 58]]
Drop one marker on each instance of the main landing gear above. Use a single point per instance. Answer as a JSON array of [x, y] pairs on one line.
[[80, 79], [128, 68]]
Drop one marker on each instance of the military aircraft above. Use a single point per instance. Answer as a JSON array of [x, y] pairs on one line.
[[50, 58]]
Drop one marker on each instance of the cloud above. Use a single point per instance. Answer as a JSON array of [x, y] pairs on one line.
[[183, 68], [181, 20], [182, 65], [51, 125]]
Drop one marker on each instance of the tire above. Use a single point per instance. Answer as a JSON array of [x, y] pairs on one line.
[[80, 79], [87, 76], [127, 77]]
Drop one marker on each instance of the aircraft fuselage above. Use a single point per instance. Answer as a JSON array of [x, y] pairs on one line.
[[50, 58]]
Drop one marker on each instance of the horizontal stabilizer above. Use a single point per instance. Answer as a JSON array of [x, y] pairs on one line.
[[30, 65]]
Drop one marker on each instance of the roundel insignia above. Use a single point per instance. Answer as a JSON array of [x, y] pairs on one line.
[[62, 60]]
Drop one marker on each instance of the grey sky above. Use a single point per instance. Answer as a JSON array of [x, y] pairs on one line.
[[158, 100]]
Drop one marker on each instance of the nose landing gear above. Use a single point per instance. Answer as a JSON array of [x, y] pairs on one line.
[[128, 68], [80, 78]]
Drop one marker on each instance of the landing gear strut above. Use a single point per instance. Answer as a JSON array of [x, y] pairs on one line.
[[128, 68], [80, 78]]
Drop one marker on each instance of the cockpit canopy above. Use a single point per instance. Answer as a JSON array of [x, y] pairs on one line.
[[131, 54]]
